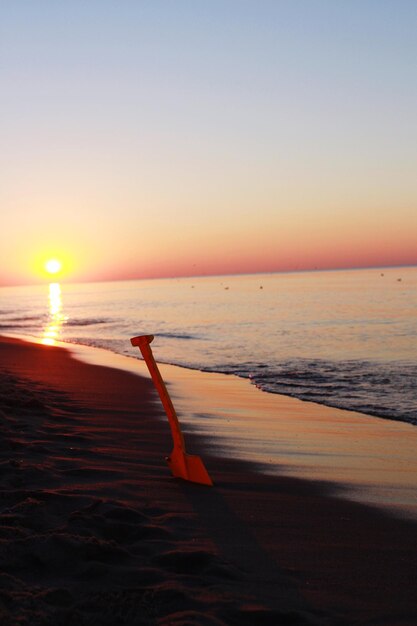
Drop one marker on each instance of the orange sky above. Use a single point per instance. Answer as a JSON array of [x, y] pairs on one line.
[[168, 140]]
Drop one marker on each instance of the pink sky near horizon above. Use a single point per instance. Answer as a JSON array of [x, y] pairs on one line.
[[184, 140]]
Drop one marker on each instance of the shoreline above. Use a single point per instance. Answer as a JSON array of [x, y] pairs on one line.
[[306, 440], [94, 528], [124, 362]]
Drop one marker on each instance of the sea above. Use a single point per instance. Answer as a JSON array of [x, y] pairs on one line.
[[342, 338]]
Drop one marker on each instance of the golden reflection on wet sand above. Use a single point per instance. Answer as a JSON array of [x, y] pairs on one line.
[[367, 459]]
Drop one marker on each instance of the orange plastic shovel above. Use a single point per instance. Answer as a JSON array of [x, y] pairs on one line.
[[182, 465]]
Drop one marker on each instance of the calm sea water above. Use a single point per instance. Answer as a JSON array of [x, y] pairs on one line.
[[341, 338]]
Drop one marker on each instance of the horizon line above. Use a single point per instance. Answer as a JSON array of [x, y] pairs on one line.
[[185, 276]]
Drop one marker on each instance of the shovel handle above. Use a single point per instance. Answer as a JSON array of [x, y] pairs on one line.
[[143, 343]]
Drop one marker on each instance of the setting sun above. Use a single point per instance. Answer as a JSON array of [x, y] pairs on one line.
[[53, 266], [52, 262]]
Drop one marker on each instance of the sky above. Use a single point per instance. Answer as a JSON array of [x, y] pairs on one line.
[[148, 138]]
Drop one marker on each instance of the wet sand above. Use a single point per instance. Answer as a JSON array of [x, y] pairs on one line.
[[94, 530]]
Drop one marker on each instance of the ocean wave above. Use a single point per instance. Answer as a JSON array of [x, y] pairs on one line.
[[25, 318], [87, 321], [377, 388], [23, 326], [178, 336], [381, 389]]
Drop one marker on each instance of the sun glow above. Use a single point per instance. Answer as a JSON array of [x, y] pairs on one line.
[[52, 263], [53, 266]]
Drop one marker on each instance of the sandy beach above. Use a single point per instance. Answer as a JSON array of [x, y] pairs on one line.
[[96, 531]]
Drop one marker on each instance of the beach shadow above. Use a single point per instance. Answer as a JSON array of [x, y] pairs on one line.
[[248, 565]]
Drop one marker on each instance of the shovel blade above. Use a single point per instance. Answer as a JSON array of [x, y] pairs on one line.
[[189, 467]]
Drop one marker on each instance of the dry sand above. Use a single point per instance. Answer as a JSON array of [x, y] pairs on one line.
[[94, 530]]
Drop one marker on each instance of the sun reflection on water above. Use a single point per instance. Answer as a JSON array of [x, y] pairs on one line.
[[56, 317]]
